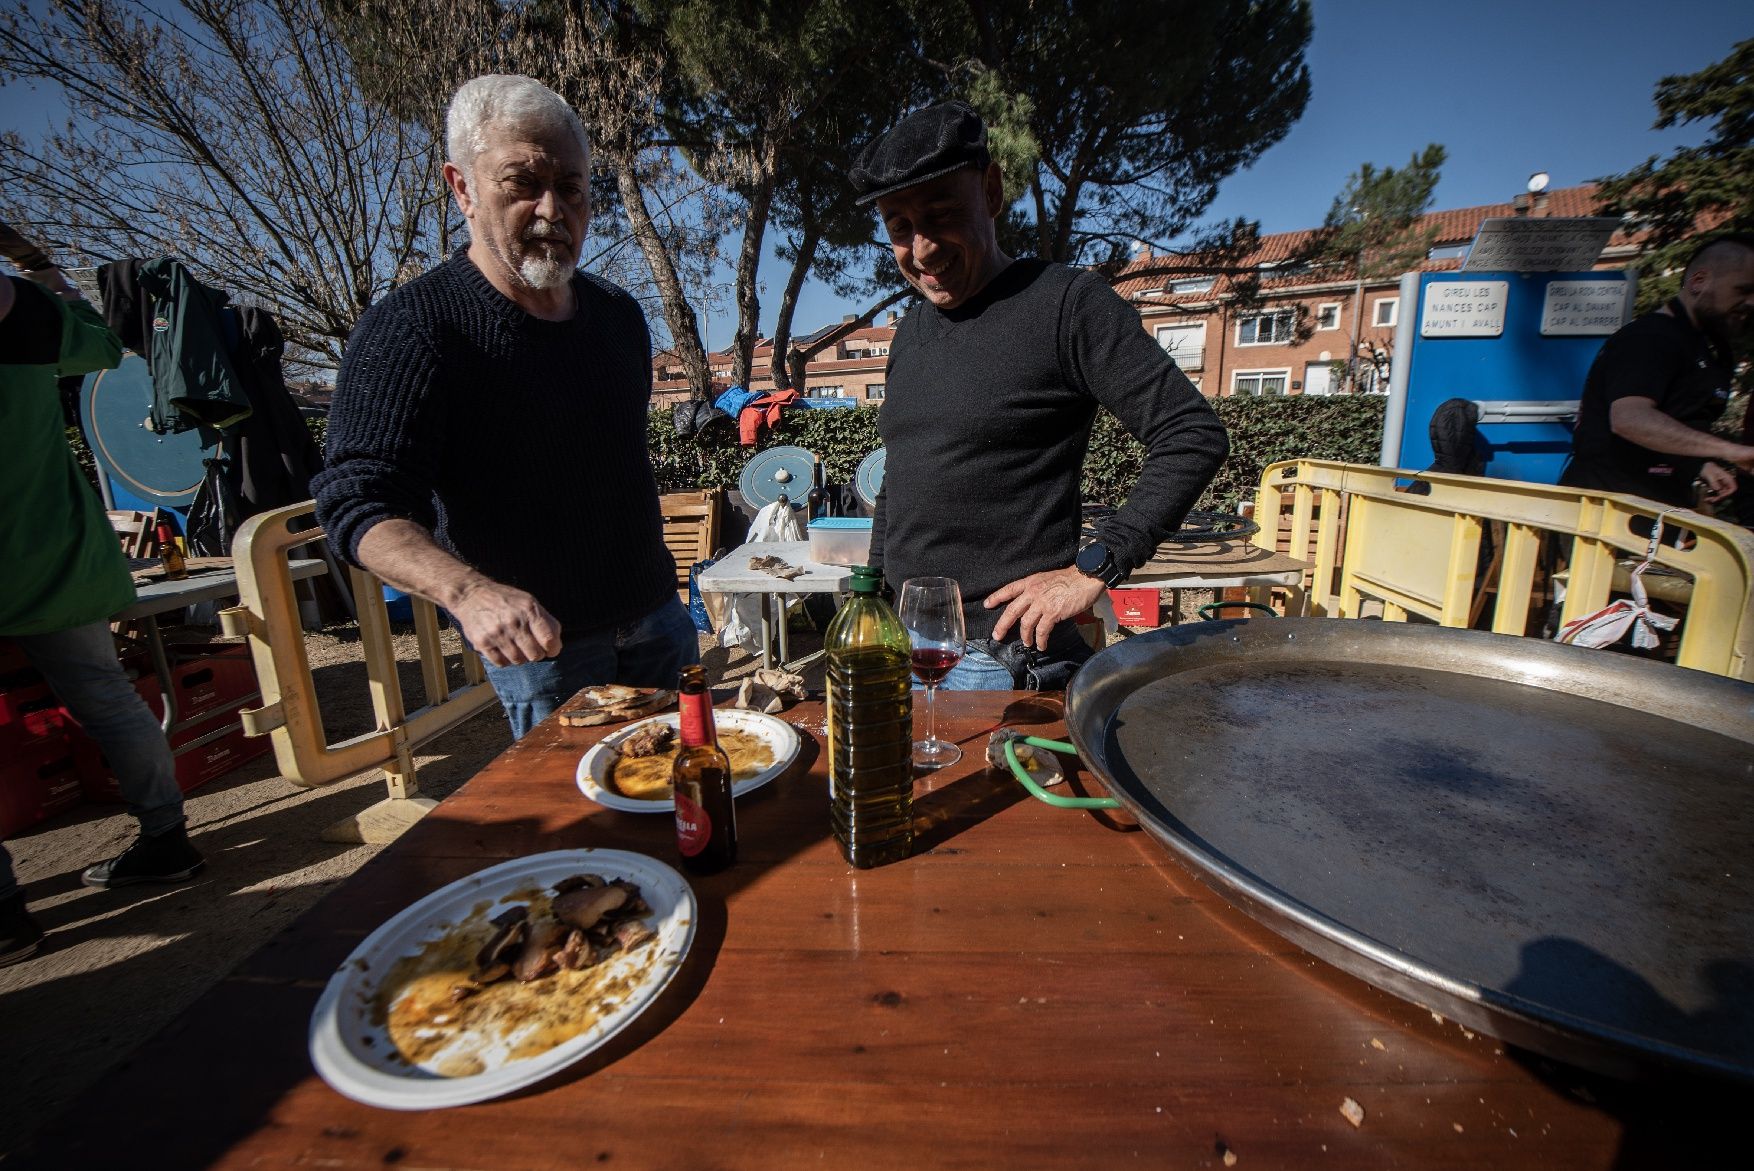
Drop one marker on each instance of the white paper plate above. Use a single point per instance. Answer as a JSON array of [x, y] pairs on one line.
[[593, 771], [354, 1054]]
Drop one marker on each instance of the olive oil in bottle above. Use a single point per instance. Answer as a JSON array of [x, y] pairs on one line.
[[706, 815], [870, 727]]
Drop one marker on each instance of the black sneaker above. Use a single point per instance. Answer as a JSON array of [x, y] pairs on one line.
[[166, 857], [20, 935]]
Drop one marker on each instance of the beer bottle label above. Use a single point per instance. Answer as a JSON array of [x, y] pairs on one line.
[[694, 829], [697, 719]]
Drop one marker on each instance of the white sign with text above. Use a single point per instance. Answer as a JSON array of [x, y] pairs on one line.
[[1518, 244], [1584, 308], [1464, 309]]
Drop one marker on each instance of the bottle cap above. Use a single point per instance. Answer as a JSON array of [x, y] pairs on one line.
[[867, 579]]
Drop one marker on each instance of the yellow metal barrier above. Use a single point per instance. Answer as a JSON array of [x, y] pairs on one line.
[[1418, 555], [268, 616]]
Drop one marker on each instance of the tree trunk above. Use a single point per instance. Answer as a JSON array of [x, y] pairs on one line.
[[749, 259], [782, 330], [678, 313]]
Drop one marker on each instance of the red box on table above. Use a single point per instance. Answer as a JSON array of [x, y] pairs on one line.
[[1137, 607]]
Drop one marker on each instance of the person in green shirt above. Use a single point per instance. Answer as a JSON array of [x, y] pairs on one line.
[[65, 575]]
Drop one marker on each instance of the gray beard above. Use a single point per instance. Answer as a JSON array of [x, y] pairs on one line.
[[538, 271], [542, 272]]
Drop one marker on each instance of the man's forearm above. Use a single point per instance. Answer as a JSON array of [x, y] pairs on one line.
[[1640, 422], [405, 555]]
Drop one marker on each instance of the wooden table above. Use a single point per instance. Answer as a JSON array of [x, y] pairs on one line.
[[1034, 988]]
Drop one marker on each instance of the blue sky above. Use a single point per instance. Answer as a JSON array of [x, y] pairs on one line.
[[1562, 86]]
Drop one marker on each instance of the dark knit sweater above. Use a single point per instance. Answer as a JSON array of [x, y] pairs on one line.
[[520, 443], [987, 419]]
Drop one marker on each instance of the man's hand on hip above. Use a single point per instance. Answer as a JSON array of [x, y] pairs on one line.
[[507, 625], [1034, 605]]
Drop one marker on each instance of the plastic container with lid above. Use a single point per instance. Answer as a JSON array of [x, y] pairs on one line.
[[840, 540]]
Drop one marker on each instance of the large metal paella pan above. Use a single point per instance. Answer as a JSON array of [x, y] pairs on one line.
[[1550, 844]]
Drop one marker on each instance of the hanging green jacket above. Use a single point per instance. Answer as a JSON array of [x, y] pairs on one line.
[[60, 561], [193, 381]]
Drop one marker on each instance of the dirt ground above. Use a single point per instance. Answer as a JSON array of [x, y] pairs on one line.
[[118, 965]]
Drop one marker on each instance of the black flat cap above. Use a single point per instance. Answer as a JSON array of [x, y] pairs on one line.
[[927, 143]]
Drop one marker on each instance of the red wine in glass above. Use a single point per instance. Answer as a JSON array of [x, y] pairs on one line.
[[931, 664]]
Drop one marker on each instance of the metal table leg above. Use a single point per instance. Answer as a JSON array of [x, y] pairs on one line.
[[766, 632], [167, 684]]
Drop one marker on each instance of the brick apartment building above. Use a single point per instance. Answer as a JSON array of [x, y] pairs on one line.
[[1225, 349]]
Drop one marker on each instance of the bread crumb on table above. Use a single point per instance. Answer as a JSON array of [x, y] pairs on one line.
[[1353, 1112]]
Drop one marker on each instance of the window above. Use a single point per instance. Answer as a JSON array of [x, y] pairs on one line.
[[1386, 311], [1266, 383], [1266, 329], [823, 392], [874, 392], [1185, 343], [1447, 252], [1328, 315], [1195, 284]]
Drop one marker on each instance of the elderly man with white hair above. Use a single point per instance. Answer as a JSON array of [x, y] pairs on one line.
[[487, 440]]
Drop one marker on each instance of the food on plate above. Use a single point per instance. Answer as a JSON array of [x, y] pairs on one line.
[[648, 741], [612, 703], [514, 981], [643, 774]]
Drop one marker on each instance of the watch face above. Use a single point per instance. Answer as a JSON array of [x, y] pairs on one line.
[[1092, 558]]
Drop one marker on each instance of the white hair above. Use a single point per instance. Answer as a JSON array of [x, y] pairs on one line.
[[507, 101]]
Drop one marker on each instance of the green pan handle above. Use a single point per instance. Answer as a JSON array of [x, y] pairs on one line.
[[1041, 794], [1216, 606]]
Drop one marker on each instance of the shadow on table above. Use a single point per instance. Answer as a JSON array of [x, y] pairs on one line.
[[1670, 1117]]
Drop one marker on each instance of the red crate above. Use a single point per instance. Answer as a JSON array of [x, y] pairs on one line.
[[1136, 608], [198, 757], [30, 716], [36, 785]]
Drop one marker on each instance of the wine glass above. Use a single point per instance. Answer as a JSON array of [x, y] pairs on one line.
[[931, 609]]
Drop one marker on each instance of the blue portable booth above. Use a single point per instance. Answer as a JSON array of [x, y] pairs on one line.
[[1513, 335]]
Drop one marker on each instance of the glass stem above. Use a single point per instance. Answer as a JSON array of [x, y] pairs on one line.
[[931, 714]]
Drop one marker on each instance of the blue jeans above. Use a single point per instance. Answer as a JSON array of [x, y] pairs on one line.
[[80, 665], [649, 652], [978, 671], [1008, 666]]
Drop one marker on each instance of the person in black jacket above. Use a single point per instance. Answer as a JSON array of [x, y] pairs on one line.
[[995, 378], [487, 439], [1652, 394]]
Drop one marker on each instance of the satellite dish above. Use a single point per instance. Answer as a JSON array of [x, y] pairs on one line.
[[868, 480], [776, 472], [145, 469], [1538, 182]]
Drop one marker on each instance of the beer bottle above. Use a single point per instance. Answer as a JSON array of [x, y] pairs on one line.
[[175, 568], [706, 817]]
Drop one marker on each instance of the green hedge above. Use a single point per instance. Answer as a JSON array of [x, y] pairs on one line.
[[1262, 430]]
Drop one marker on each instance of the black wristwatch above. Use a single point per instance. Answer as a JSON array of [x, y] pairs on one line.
[[1096, 560]]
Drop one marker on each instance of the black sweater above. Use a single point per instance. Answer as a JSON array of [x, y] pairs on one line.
[[987, 419], [520, 443]]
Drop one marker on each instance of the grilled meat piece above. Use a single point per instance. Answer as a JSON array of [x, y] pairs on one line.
[[568, 885], [631, 933], [582, 908], [648, 741], [578, 952], [515, 914], [538, 958], [504, 945]]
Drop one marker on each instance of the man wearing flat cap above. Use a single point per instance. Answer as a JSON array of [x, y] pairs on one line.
[[994, 380]]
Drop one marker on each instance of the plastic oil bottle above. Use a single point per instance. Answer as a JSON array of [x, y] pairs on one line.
[[870, 727]]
